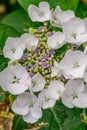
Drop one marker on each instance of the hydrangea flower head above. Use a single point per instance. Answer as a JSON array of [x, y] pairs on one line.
[[47, 63]]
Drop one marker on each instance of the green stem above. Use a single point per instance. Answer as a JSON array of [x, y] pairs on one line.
[[54, 114]]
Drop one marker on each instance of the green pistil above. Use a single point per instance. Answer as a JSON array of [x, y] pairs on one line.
[[34, 83], [41, 14], [46, 99], [76, 65], [13, 50], [75, 95], [16, 80], [74, 35]]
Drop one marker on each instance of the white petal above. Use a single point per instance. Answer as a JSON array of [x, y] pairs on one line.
[[74, 86], [4, 77], [26, 98], [13, 48], [33, 116], [15, 79], [73, 64], [16, 88], [56, 70], [30, 41], [67, 101], [38, 83], [59, 17], [29, 118], [45, 100], [57, 40], [55, 89], [36, 112], [85, 50], [40, 14], [81, 101], [72, 29], [21, 110], [73, 89], [85, 76]]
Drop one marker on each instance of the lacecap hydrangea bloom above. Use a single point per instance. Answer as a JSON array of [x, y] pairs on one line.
[[36, 74]]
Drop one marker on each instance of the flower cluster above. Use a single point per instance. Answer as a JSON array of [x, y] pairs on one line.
[[35, 74]]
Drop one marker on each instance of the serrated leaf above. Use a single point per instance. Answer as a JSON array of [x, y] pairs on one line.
[[17, 20], [65, 4]]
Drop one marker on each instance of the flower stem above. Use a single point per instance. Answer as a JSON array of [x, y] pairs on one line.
[[54, 114]]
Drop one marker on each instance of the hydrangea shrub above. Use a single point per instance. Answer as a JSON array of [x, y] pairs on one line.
[[45, 78]]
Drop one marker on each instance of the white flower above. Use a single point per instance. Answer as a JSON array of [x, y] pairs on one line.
[[44, 100], [57, 40], [55, 89], [56, 70], [15, 79], [13, 48], [75, 31], [29, 41], [59, 17], [75, 94], [40, 14], [73, 64], [25, 105], [38, 83]]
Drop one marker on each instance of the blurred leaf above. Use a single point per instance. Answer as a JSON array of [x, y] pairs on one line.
[[65, 4], [17, 20], [84, 1], [5, 32]]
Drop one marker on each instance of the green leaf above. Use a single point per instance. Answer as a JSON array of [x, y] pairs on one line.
[[5, 32], [69, 119], [2, 95], [65, 4], [81, 10], [48, 117], [18, 123], [73, 120], [62, 50], [3, 63], [17, 20]]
